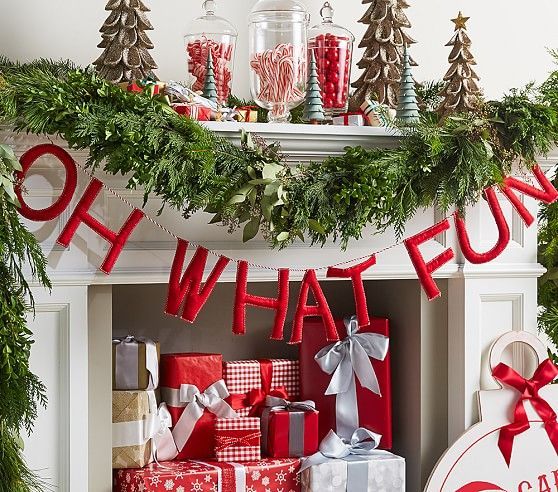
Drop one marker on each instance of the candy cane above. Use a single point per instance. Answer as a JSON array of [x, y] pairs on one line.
[[222, 54], [277, 74]]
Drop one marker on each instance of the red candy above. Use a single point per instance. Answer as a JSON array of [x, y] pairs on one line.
[[333, 58]]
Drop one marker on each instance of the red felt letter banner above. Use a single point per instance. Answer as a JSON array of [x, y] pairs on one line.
[[355, 274], [243, 299], [503, 233], [548, 194], [27, 160], [425, 270], [310, 281], [188, 290], [81, 214]]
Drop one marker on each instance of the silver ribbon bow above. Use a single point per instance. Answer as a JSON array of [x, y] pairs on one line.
[[126, 362], [275, 403], [195, 403], [345, 359], [361, 446]]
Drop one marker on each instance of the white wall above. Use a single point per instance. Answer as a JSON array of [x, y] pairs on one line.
[[509, 37]]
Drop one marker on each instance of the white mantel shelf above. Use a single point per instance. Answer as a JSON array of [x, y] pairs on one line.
[[479, 302]]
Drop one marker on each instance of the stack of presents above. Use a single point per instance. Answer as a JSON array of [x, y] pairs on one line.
[[193, 422]]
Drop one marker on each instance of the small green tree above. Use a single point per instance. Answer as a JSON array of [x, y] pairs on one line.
[[313, 104], [407, 107], [209, 87]]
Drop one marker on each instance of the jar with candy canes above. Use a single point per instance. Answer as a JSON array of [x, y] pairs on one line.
[[278, 56], [211, 33], [333, 49]]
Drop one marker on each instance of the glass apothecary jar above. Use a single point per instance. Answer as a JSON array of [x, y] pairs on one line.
[[333, 49], [211, 32], [278, 56]]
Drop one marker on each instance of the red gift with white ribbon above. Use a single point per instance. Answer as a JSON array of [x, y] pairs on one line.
[[185, 476], [195, 393], [350, 381]]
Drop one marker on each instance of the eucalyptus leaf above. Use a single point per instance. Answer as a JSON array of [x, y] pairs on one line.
[[316, 226], [251, 229]]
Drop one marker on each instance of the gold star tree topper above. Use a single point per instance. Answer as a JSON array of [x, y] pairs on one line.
[[460, 22]]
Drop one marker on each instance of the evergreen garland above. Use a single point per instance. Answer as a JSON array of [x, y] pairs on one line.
[[21, 390], [438, 163]]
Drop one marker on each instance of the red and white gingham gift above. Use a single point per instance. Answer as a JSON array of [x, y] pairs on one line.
[[237, 439], [252, 380]]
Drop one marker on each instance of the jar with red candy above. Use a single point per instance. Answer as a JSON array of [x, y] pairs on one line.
[[216, 34], [333, 49]]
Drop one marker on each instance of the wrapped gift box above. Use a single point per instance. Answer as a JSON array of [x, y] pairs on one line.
[[247, 114], [290, 432], [374, 411], [253, 380], [187, 476], [135, 364], [201, 371], [349, 119], [194, 111], [237, 439], [385, 472], [129, 408]]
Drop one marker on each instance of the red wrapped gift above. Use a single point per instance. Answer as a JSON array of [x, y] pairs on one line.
[[193, 388], [237, 439], [194, 111], [289, 429], [358, 393], [251, 381], [187, 476]]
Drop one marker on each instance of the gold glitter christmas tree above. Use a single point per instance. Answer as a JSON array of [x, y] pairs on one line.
[[125, 56], [461, 92], [382, 62]]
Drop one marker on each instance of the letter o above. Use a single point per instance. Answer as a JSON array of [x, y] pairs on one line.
[[70, 184]]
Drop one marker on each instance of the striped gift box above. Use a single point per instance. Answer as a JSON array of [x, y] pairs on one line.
[[237, 439]]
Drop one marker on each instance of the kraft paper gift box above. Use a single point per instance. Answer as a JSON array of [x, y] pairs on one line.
[[251, 381], [369, 409], [140, 429], [185, 476], [193, 388], [135, 363], [131, 406], [289, 429], [238, 439]]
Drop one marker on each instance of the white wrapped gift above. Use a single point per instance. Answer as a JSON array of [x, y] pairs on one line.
[[353, 466]]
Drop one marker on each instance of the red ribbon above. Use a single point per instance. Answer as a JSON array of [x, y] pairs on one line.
[[255, 398], [529, 389], [248, 110], [227, 439]]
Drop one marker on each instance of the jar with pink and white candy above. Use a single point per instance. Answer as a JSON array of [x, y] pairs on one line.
[[333, 49], [216, 34], [278, 56]]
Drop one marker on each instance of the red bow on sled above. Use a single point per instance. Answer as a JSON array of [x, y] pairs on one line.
[[529, 389]]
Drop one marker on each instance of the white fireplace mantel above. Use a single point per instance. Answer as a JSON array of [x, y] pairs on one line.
[[445, 346]]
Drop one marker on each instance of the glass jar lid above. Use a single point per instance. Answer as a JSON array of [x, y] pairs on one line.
[[282, 8], [209, 23], [328, 27]]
